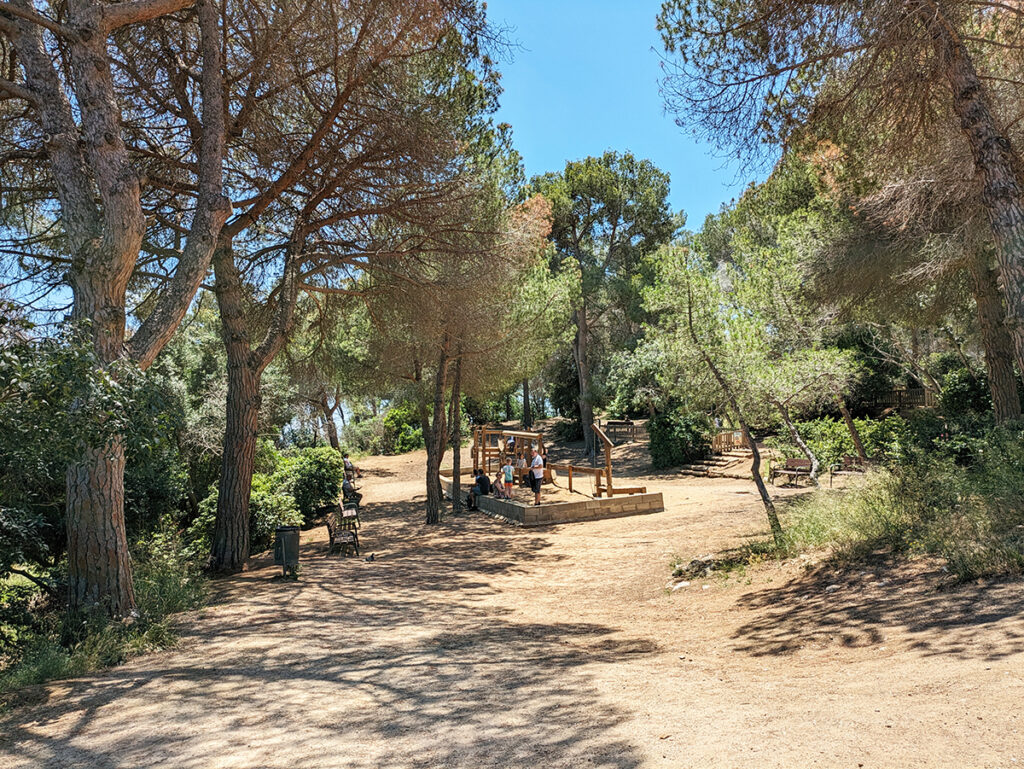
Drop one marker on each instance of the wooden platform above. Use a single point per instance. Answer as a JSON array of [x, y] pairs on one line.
[[585, 509]]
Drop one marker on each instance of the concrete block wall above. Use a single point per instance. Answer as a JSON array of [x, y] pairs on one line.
[[585, 509]]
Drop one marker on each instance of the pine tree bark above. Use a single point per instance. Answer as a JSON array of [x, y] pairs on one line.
[[231, 530], [456, 430], [858, 444], [328, 412], [995, 340], [436, 444], [245, 370], [527, 408], [797, 438], [99, 565], [995, 163], [582, 358]]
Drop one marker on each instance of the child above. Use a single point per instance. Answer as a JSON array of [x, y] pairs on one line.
[[508, 473], [499, 487]]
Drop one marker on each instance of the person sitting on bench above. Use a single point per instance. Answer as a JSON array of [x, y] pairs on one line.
[[351, 471], [481, 488], [349, 493]]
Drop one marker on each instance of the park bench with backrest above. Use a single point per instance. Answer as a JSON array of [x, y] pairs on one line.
[[849, 465], [341, 529], [793, 469]]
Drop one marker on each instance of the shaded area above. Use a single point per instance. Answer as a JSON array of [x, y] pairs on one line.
[[398, 662], [859, 607]]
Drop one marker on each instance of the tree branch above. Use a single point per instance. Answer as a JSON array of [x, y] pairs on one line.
[[18, 91], [23, 12], [122, 14], [41, 583]]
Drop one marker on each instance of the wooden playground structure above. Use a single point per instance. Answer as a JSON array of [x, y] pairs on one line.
[[500, 445]]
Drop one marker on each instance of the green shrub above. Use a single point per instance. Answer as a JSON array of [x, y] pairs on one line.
[[271, 504], [313, 478], [403, 430], [55, 644], [568, 430], [889, 438], [679, 438], [269, 507], [965, 393], [972, 516]]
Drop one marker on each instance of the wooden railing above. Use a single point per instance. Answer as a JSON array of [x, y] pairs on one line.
[[728, 440], [908, 398], [622, 430]]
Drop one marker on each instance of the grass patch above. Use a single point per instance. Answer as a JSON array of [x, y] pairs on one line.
[[42, 642], [971, 516]]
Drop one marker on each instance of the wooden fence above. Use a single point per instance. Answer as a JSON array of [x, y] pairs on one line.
[[728, 440], [908, 398]]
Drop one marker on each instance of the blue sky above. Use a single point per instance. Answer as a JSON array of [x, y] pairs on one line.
[[584, 79]]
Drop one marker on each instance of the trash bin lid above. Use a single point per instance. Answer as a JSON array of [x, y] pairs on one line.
[[287, 528]]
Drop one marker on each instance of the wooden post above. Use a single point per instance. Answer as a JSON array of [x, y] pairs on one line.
[[607, 456], [570, 478]]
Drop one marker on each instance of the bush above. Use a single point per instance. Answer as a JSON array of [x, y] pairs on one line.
[[271, 504], [403, 430], [965, 394], [313, 479], [50, 643], [568, 430], [679, 438], [269, 507], [972, 516], [890, 438]]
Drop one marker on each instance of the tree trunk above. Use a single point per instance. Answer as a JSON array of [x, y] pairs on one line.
[[995, 340], [755, 469], [231, 531], [798, 439], [581, 356], [858, 444], [332, 428], [508, 407], [457, 436], [527, 409], [99, 566], [435, 445], [995, 163], [245, 370]]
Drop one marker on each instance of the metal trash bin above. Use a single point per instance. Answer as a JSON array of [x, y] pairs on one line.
[[286, 548]]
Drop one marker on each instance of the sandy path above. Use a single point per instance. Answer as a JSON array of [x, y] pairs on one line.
[[476, 644]]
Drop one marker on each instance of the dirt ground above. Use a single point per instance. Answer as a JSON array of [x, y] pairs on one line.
[[478, 644]]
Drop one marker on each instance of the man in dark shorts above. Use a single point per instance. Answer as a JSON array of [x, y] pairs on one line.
[[536, 474], [481, 488]]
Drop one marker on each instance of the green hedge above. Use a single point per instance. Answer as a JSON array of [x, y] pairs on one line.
[[679, 438]]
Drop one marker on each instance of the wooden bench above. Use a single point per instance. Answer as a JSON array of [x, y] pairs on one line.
[[341, 530], [794, 469], [849, 465]]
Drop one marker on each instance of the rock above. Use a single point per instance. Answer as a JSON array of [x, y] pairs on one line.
[[679, 585], [831, 588]]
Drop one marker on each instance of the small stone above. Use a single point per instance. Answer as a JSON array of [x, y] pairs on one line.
[[705, 587], [679, 585], [831, 588]]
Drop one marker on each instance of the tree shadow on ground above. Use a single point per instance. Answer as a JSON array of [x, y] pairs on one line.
[[409, 661], [862, 605]]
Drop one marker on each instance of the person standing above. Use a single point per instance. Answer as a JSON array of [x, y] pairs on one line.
[[509, 474], [536, 475]]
